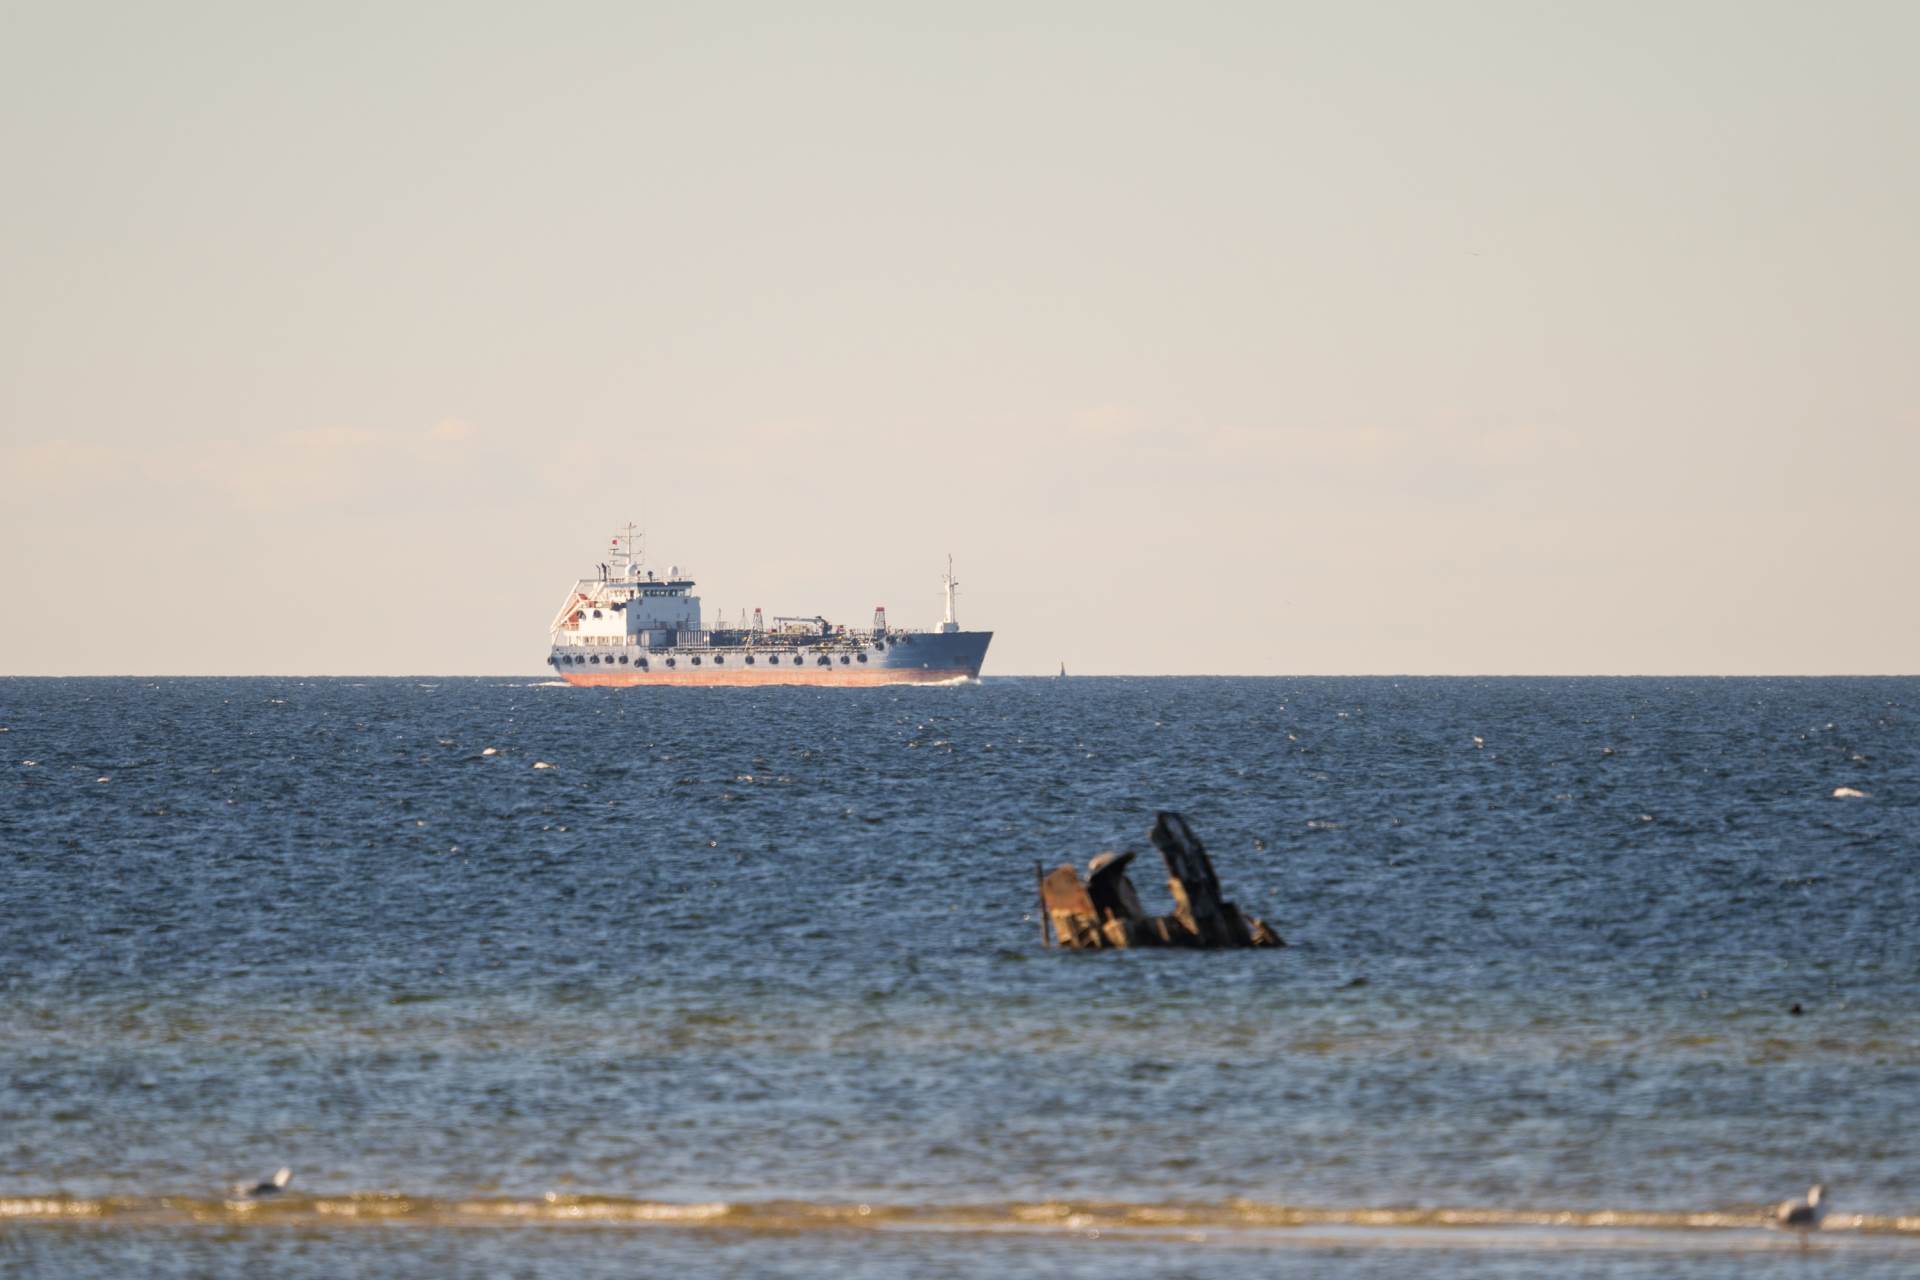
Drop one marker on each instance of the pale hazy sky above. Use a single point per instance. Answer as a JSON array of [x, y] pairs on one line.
[[1264, 338]]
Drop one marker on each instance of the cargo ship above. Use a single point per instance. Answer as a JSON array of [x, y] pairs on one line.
[[628, 626]]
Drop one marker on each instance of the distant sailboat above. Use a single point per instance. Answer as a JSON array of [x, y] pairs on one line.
[[1063, 671]]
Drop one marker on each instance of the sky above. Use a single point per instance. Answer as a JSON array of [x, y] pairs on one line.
[[1277, 338]]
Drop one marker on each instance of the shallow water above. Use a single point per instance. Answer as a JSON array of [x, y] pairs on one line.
[[774, 950]]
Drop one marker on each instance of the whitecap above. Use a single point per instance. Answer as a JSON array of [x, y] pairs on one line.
[[1850, 793]]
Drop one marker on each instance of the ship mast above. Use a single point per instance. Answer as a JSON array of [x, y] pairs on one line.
[[952, 586], [626, 562]]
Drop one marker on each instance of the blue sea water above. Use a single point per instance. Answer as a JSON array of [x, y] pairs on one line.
[[749, 982]]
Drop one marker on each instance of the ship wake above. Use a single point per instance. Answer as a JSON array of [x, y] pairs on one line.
[[1238, 1223]]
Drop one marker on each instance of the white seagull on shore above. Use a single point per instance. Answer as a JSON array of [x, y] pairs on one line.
[[271, 1186], [1803, 1215]]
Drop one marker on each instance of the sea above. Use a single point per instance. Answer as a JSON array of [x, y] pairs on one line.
[[1581, 975]]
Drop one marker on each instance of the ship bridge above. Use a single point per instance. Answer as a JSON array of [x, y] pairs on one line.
[[627, 605]]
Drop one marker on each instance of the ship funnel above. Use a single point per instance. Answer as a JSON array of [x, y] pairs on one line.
[[879, 619], [758, 626]]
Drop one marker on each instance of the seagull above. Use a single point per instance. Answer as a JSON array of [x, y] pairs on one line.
[[1803, 1215], [271, 1186]]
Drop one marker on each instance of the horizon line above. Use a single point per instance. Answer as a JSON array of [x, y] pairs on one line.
[[548, 678]]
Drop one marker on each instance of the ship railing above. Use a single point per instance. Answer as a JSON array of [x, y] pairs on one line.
[[789, 644], [701, 641]]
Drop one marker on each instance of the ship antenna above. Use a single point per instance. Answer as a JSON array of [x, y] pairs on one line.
[[627, 560]]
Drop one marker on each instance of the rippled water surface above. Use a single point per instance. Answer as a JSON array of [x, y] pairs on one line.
[[742, 961]]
